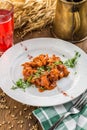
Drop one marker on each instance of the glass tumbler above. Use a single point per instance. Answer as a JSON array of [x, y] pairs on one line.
[[6, 26]]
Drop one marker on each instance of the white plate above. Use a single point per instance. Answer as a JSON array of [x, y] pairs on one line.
[[11, 70]]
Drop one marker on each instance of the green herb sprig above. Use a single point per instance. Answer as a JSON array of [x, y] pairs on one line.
[[58, 63], [71, 63], [21, 84], [40, 70]]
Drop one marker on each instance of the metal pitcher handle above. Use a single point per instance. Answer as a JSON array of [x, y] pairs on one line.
[[76, 21]]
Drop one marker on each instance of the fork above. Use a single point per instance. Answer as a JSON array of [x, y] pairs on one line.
[[75, 109]]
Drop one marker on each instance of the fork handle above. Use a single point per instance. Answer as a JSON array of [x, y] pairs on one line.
[[59, 121]]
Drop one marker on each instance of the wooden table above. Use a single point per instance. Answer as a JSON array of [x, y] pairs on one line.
[[17, 116]]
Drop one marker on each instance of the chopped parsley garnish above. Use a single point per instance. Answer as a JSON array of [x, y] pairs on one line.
[[30, 78], [58, 62], [48, 68], [63, 55], [40, 70], [75, 73], [42, 88], [73, 61], [21, 84]]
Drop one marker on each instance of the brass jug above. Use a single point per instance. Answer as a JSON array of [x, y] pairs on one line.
[[70, 22]]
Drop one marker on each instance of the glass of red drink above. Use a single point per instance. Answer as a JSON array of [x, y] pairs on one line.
[[6, 26]]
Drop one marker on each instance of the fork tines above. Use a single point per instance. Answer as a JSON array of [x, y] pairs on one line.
[[82, 100]]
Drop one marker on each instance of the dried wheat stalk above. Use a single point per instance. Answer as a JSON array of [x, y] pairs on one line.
[[33, 14]]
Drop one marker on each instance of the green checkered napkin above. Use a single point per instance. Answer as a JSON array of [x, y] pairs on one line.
[[47, 116]]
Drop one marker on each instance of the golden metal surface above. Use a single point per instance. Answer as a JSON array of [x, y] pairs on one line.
[[70, 22]]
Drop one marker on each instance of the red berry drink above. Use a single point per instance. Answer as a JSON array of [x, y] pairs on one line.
[[6, 27]]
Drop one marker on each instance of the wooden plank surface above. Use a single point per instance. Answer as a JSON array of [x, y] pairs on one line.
[[17, 116]]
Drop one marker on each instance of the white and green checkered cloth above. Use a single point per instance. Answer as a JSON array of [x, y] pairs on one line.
[[47, 116]]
